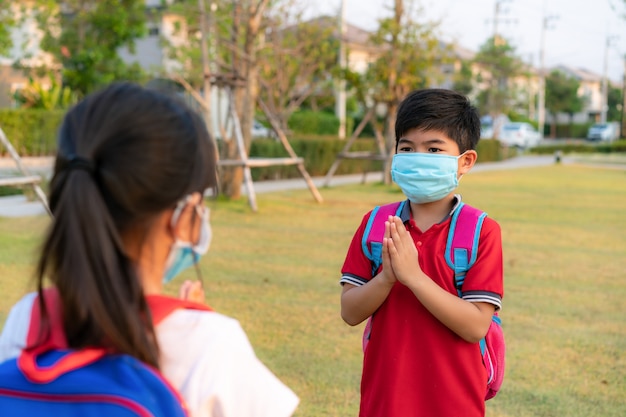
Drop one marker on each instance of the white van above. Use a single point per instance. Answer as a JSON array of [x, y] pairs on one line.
[[608, 131]]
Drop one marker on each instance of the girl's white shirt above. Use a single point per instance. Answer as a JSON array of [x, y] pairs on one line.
[[205, 355]]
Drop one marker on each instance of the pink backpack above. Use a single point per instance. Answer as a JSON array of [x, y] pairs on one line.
[[461, 252]]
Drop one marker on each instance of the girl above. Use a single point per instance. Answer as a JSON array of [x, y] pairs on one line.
[[126, 195]]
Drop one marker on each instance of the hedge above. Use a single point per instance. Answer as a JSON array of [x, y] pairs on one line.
[[320, 152], [317, 123], [31, 132], [581, 147]]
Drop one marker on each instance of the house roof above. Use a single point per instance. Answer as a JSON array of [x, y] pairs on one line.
[[582, 74]]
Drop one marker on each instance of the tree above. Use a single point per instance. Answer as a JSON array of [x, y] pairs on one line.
[[296, 62], [499, 65], [411, 57], [6, 22], [84, 37], [614, 102], [562, 97], [463, 80]]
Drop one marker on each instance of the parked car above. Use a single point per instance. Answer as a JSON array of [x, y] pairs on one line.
[[604, 132], [260, 131], [487, 125], [519, 134]]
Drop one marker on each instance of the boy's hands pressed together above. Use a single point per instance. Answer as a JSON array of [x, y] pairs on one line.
[[401, 251], [387, 274]]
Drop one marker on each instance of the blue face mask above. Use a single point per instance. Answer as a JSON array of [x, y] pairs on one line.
[[185, 254], [425, 177]]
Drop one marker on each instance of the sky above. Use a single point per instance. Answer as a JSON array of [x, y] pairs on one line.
[[577, 32]]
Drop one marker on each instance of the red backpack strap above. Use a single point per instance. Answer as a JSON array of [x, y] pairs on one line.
[[41, 339], [162, 306]]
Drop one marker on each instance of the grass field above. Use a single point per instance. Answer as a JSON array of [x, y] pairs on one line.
[[277, 272]]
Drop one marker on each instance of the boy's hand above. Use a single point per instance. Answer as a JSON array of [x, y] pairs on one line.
[[387, 272], [192, 291], [401, 251]]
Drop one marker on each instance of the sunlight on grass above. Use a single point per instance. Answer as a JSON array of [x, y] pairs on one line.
[[277, 272]]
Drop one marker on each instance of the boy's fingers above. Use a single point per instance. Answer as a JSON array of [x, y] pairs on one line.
[[395, 236]]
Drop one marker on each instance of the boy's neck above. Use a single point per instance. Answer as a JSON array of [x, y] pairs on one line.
[[428, 214]]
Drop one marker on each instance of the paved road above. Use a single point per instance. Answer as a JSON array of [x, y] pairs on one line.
[[19, 206]]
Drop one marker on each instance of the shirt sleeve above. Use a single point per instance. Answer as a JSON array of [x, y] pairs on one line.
[[484, 281], [208, 358], [357, 269], [15, 330]]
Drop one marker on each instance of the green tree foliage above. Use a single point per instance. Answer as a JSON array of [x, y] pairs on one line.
[[562, 96], [410, 57], [6, 22], [499, 65], [84, 37], [614, 102], [463, 80], [296, 62], [36, 96]]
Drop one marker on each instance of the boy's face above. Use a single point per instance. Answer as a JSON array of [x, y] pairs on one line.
[[435, 142]]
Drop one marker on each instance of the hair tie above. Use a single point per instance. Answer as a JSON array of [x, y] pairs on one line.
[[77, 162]]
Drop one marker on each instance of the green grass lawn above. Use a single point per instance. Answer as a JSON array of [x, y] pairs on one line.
[[277, 272]]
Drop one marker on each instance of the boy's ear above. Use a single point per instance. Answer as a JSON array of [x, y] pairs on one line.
[[467, 161]]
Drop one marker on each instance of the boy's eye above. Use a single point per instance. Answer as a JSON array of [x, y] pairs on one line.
[[434, 150], [406, 149]]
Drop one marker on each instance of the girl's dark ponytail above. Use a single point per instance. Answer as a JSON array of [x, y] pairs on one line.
[[125, 155]]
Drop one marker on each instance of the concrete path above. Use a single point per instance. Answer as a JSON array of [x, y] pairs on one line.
[[19, 206]]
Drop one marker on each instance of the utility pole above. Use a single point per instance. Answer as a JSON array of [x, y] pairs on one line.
[[340, 94], [497, 19], [541, 110], [623, 130], [605, 79], [206, 67], [496, 84]]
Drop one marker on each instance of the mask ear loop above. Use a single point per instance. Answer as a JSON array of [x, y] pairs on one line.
[[196, 265]]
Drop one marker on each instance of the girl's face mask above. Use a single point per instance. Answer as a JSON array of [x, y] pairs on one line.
[[425, 177], [185, 254]]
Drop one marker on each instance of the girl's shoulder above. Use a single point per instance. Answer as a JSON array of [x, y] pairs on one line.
[[15, 329]]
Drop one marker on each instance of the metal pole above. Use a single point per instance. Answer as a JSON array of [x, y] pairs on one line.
[[603, 103], [340, 103], [541, 111], [623, 132], [206, 68], [541, 105]]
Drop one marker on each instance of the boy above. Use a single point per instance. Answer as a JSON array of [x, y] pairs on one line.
[[423, 357]]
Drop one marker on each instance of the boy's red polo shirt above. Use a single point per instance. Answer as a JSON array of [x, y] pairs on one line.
[[414, 365]]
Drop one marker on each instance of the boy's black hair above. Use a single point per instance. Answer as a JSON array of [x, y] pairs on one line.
[[443, 110]]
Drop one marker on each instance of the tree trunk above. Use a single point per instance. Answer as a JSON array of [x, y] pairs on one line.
[[245, 66]]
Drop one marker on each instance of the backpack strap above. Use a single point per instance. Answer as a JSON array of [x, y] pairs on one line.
[[42, 338], [462, 243], [372, 242], [462, 246]]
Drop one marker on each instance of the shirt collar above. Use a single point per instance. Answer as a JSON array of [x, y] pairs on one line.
[[405, 215]]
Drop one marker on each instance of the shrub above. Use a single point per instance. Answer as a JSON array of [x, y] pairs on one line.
[[31, 132], [581, 147], [319, 123]]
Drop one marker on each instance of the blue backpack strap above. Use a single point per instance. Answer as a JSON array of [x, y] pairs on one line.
[[462, 242], [372, 242]]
